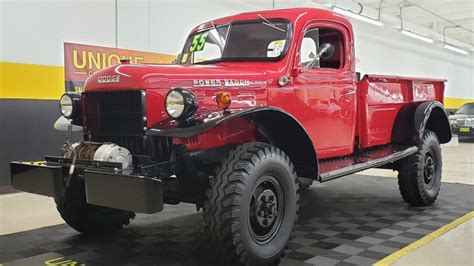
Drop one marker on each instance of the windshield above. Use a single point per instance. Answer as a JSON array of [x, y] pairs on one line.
[[467, 109], [240, 41]]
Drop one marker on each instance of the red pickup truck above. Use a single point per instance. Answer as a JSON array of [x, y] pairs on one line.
[[257, 106]]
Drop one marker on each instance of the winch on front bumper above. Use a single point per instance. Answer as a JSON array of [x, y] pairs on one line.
[[105, 184]]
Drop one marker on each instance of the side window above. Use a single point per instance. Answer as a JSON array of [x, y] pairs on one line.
[[471, 109], [309, 47], [212, 51], [313, 38]]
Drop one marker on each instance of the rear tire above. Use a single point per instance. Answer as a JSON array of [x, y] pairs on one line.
[[252, 205], [419, 175], [87, 218]]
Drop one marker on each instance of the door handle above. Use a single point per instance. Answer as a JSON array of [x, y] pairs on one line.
[[350, 92]]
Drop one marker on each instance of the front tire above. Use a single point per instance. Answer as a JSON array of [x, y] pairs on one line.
[[252, 205], [419, 175], [87, 218]]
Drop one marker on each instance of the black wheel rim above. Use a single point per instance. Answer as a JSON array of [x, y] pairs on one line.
[[429, 170], [266, 209]]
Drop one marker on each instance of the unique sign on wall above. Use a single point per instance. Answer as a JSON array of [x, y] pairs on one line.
[[81, 61]]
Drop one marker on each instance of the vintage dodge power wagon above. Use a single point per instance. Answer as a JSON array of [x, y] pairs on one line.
[[257, 107]]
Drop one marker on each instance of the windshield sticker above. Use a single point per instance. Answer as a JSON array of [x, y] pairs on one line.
[[198, 43], [275, 48], [184, 58]]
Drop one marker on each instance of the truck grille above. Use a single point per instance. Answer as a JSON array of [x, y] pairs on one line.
[[116, 112], [117, 117]]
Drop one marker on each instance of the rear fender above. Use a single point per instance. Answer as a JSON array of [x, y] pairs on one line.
[[432, 116], [413, 119], [271, 125]]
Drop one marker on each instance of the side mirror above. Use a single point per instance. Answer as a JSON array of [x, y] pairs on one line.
[[329, 49], [325, 50]]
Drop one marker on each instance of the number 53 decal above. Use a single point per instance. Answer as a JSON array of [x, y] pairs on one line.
[[198, 42]]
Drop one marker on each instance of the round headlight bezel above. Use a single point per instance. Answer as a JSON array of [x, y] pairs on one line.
[[189, 103], [66, 106], [70, 106]]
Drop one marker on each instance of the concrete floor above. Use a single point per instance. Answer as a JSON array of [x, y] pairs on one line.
[[453, 248], [27, 211]]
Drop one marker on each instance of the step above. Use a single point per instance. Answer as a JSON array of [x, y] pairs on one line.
[[374, 157]]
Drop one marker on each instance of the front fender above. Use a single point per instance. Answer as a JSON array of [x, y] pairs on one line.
[[200, 122], [432, 116], [281, 130]]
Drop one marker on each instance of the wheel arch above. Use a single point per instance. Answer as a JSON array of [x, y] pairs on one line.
[[274, 126], [432, 116], [413, 119], [286, 132]]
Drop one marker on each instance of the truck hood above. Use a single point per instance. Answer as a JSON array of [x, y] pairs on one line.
[[246, 86], [141, 76]]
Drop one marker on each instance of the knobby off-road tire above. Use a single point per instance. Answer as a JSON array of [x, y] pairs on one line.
[[252, 205], [87, 218], [419, 175]]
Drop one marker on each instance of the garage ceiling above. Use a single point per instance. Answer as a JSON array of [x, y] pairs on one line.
[[433, 14]]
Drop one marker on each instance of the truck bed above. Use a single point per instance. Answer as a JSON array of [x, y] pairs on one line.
[[381, 98]]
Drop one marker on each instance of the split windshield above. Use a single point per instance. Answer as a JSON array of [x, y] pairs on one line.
[[240, 41]]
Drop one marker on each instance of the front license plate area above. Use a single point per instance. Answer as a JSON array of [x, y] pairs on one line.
[[464, 129]]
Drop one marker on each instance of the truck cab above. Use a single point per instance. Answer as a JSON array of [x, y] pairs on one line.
[[257, 107]]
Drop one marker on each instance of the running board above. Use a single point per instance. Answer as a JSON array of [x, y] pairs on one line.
[[333, 168]]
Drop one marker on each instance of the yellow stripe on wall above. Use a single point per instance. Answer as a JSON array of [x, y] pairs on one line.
[[28, 81], [455, 103]]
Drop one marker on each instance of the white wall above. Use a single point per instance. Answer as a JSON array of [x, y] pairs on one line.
[[388, 52], [34, 32]]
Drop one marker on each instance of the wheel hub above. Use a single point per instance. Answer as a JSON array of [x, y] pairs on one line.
[[267, 208], [429, 169]]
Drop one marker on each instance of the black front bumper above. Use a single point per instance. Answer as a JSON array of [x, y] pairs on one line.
[[38, 178], [103, 188]]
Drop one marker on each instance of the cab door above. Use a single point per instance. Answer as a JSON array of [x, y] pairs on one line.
[[326, 93]]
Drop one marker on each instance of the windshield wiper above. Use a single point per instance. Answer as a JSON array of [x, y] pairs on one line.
[[218, 37], [269, 24]]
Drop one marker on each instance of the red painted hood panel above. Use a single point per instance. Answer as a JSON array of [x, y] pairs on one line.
[[247, 86], [140, 76]]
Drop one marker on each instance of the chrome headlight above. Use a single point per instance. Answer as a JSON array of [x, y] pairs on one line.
[[180, 103], [70, 105]]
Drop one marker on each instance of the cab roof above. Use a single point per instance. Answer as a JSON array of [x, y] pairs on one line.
[[297, 16]]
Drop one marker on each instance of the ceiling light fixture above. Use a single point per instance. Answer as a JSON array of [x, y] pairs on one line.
[[411, 33], [455, 49], [449, 46], [357, 16], [416, 36]]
